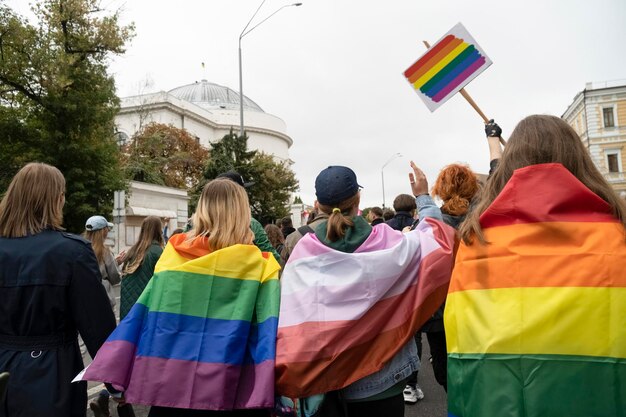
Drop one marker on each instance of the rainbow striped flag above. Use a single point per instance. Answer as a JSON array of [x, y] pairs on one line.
[[447, 67], [201, 336], [343, 316], [536, 319]]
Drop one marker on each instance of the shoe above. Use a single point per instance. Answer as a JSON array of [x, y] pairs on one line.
[[410, 396], [419, 393], [100, 406]]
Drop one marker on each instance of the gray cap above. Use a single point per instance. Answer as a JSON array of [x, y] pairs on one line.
[[96, 223]]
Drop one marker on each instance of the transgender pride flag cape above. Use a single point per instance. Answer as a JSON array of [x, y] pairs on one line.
[[343, 316], [203, 333], [536, 319]]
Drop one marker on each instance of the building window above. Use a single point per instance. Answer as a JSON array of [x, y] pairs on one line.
[[609, 119], [613, 160]]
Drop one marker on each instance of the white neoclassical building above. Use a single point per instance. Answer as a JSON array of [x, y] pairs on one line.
[[208, 111]]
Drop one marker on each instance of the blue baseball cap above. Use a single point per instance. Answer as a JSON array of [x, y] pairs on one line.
[[335, 184], [96, 223]]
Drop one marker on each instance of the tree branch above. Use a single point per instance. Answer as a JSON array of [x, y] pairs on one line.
[[22, 89]]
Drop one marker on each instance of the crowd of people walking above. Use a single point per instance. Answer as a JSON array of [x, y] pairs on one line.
[[517, 283]]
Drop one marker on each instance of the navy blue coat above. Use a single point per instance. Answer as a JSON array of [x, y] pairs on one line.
[[49, 289], [401, 220]]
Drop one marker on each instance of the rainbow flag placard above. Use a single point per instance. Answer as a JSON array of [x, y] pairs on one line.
[[447, 67], [201, 336], [536, 319]]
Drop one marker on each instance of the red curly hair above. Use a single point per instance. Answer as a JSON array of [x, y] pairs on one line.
[[456, 185]]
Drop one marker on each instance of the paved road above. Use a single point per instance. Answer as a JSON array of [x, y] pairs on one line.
[[433, 404]]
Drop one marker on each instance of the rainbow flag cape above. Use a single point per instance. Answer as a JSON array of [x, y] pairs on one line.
[[448, 66], [343, 316], [536, 319], [202, 335]]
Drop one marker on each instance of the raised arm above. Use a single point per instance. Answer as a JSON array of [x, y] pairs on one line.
[[493, 132], [426, 207]]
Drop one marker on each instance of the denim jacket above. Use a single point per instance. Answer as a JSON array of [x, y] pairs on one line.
[[401, 366]]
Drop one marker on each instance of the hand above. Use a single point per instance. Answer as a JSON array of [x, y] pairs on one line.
[[492, 130], [419, 183], [120, 257]]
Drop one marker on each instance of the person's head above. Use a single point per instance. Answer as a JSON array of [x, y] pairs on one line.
[[541, 139], [96, 231], [375, 213], [456, 185], [223, 215], [274, 234], [150, 232], [286, 222], [404, 202], [235, 177], [388, 214], [177, 231], [33, 201], [338, 195]]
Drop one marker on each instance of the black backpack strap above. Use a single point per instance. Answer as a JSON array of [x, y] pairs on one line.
[[303, 230]]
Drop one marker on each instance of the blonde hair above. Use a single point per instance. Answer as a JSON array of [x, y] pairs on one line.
[[222, 215], [97, 237], [340, 217], [540, 139], [33, 202], [150, 232]]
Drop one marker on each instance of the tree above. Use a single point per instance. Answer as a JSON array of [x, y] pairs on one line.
[[273, 181], [57, 101], [165, 155]]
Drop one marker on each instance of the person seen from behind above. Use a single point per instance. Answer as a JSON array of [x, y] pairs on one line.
[[201, 339], [388, 214], [275, 235], [358, 294], [139, 263], [405, 208], [286, 225], [534, 318], [96, 231], [50, 291], [260, 238], [375, 216]]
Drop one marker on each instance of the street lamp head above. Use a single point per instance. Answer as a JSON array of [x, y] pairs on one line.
[[297, 4]]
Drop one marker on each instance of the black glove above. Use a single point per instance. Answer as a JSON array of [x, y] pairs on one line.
[[492, 129]]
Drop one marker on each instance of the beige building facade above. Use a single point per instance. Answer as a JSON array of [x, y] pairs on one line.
[[598, 115]]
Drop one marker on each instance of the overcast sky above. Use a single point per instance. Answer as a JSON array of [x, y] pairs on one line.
[[332, 70]]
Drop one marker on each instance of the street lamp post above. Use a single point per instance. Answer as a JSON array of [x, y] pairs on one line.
[[244, 32], [382, 173]]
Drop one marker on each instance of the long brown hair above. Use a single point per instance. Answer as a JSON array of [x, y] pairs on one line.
[[33, 202], [151, 231], [341, 219], [97, 237], [274, 234], [456, 185], [541, 139], [222, 215]]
